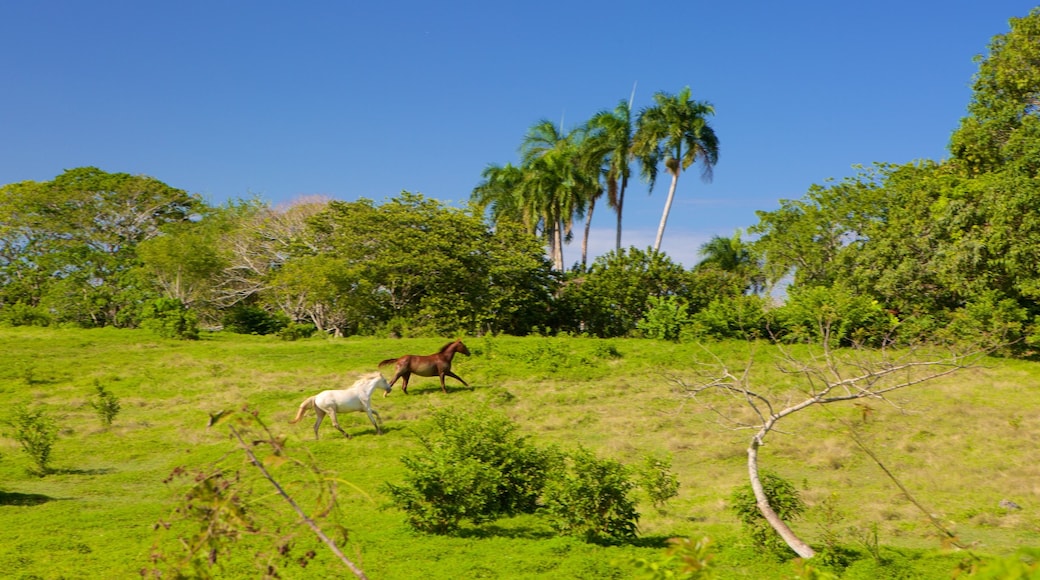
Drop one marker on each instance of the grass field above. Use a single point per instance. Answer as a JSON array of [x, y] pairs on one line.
[[960, 445]]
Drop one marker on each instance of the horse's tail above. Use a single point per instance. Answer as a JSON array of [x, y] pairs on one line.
[[387, 361], [306, 404]]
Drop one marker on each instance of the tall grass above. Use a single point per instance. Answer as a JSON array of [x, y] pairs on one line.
[[961, 445]]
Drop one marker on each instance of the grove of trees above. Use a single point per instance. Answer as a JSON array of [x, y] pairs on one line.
[[896, 250]]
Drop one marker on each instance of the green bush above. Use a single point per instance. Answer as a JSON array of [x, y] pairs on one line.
[[742, 317], [474, 467], [296, 331], [665, 317], [36, 432], [169, 318], [785, 500], [105, 403], [658, 481], [251, 319], [834, 314], [589, 498], [22, 314]]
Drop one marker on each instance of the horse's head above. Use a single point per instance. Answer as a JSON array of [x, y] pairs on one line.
[[382, 384], [461, 348]]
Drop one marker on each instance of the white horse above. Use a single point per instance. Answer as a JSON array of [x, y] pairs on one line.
[[356, 398]]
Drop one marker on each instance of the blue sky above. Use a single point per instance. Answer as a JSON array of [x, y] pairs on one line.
[[354, 99]]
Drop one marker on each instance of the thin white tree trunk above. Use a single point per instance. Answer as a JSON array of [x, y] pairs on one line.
[[667, 208], [585, 239], [796, 543]]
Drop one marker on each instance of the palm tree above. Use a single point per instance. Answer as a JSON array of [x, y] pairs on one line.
[[499, 192], [676, 130], [557, 184], [733, 255], [610, 139]]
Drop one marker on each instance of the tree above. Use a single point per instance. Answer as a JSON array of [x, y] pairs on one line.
[[613, 296], [610, 139], [1003, 126], [829, 376], [675, 130], [70, 244], [732, 255], [558, 184]]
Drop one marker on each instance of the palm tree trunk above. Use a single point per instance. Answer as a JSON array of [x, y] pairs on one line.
[[585, 239], [558, 243], [667, 208], [620, 204]]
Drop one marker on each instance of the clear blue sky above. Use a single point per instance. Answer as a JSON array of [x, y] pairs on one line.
[[365, 99]]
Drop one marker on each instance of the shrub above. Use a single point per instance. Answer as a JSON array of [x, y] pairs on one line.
[[589, 498], [742, 317], [251, 319], [658, 481], [665, 317], [36, 433], [169, 318], [833, 314], [296, 331], [105, 403], [683, 560], [22, 314], [785, 500], [474, 467]]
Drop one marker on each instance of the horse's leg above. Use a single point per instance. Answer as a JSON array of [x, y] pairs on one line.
[[454, 376], [373, 416], [335, 423], [321, 417], [404, 385]]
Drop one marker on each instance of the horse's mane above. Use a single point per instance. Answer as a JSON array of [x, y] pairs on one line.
[[445, 347], [367, 377]]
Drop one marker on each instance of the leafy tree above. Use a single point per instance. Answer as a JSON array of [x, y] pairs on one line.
[[611, 298], [70, 244], [675, 130], [1002, 130], [732, 255]]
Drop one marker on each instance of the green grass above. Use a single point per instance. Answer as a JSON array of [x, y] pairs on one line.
[[960, 445]]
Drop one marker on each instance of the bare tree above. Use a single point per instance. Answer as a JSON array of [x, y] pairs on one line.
[[827, 376]]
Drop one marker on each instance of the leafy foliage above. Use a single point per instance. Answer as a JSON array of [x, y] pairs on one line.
[[36, 432], [474, 467], [105, 402], [657, 480], [684, 559], [169, 318], [783, 497], [590, 498]]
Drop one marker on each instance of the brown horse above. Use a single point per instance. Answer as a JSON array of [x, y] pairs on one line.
[[427, 365]]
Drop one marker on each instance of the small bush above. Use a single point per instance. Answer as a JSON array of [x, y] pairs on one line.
[[589, 498], [36, 433], [169, 318], [296, 331], [664, 318], [658, 481], [785, 500], [683, 560], [22, 314], [105, 403], [251, 319]]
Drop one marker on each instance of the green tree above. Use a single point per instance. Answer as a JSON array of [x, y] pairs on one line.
[[610, 140], [733, 255], [675, 130], [1002, 129], [614, 295], [71, 243], [558, 184]]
